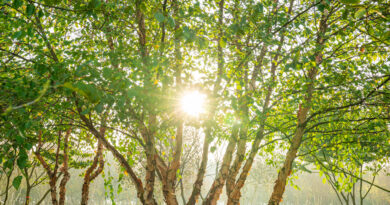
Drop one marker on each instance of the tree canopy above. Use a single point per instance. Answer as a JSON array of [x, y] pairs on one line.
[[306, 83]]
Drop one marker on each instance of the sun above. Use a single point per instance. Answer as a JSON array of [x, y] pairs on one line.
[[192, 103]]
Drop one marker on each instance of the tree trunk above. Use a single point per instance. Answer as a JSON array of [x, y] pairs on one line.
[[28, 186], [169, 180], [8, 182], [150, 161], [53, 190], [235, 168], [216, 188], [240, 155], [52, 174], [234, 194], [64, 169], [89, 175], [304, 108], [137, 182], [208, 131], [286, 170], [28, 190], [150, 173], [85, 189], [145, 195], [169, 195]]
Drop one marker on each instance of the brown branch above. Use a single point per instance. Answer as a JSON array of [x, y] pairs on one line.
[[17, 55], [43, 34], [64, 168], [137, 182]]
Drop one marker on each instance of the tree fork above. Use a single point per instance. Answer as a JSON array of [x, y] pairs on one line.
[[89, 174], [234, 195], [137, 182]]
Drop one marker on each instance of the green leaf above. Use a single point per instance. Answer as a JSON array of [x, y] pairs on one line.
[[171, 21], [22, 161], [159, 16], [28, 146], [16, 182], [321, 7], [222, 42], [350, 1], [88, 91], [340, 180], [259, 8], [95, 4], [119, 189], [40, 13], [107, 73], [188, 34], [17, 34], [99, 108], [360, 13], [19, 139], [86, 111], [203, 43], [17, 3], [30, 9], [345, 14]]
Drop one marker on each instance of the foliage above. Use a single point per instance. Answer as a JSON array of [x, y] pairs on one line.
[[270, 69]]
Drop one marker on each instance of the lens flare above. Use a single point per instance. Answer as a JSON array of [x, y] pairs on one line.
[[192, 103]]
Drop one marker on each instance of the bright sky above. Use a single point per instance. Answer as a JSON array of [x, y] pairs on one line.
[[192, 103]]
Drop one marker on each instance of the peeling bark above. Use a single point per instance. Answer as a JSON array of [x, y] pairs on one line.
[[304, 108], [137, 182], [52, 173], [64, 169], [150, 172], [91, 173], [239, 159], [169, 180], [196, 191], [235, 194], [216, 188]]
